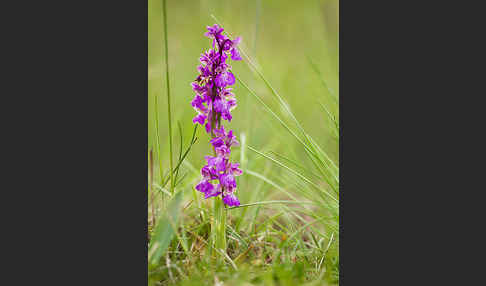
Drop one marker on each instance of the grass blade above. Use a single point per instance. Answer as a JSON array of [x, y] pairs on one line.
[[271, 202], [164, 9]]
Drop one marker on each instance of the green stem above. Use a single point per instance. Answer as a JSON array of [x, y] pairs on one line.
[[219, 229], [168, 95], [159, 155]]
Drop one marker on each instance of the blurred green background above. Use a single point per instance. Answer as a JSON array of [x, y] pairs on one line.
[[279, 36]]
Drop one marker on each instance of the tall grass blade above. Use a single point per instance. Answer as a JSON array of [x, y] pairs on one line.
[[164, 9], [157, 136], [321, 78], [180, 149], [272, 202]]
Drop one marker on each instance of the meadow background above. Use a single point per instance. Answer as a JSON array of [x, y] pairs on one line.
[[294, 44]]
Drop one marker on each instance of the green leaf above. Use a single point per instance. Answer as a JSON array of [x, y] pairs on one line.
[[164, 230]]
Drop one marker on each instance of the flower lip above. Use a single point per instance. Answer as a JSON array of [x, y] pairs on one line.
[[228, 181], [200, 118], [204, 186], [217, 142], [224, 79], [231, 200]]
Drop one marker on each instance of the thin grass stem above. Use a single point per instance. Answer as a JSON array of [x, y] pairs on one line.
[[272, 202], [164, 9], [157, 135]]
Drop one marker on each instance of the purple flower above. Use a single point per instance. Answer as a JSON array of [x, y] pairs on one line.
[[207, 126], [197, 88], [220, 131], [227, 92], [217, 142], [197, 103], [223, 66], [204, 186], [231, 200], [235, 170], [212, 193], [224, 107], [223, 151], [214, 101], [205, 72], [235, 55], [215, 33], [208, 57], [200, 118], [218, 163], [223, 142], [224, 79], [206, 98], [228, 138], [228, 181], [209, 173]]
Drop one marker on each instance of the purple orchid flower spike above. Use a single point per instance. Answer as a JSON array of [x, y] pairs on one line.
[[214, 101]]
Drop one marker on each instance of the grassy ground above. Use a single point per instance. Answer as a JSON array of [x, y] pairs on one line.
[[286, 232]]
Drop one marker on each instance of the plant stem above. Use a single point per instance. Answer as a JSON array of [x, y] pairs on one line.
[[151, 187], [168, 95], [219, 230], [218, 224], [159, 155]]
